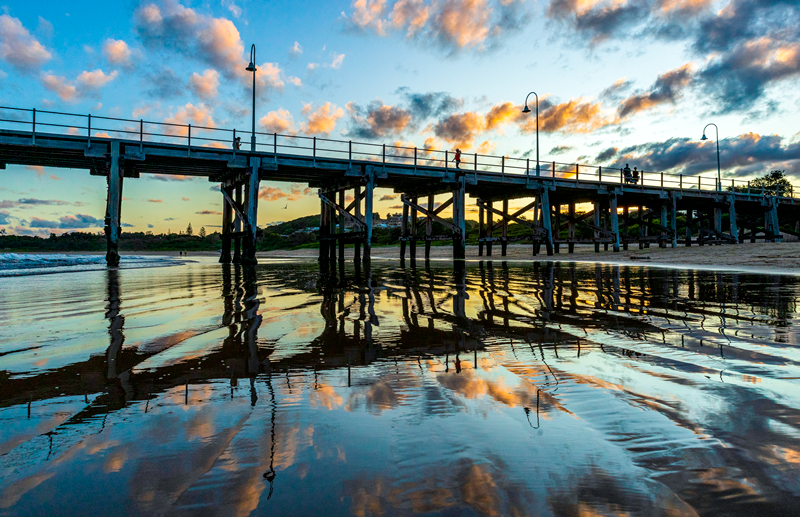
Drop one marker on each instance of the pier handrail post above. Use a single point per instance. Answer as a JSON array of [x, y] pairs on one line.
[[89, 131], [621, 178], [33, 130], [554, 173], [476, 168], [189, 142], [527, 168], [680, 179], [314, 151], [600, 174], [384, 156], [415, 159], [503, 168], [350, 154], [577, 172], [446, 158], [234, 142], [141, 135], [748, 187], [275, 145], [662, 180]]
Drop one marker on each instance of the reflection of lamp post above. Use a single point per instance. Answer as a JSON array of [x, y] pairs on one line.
[[719, 174], [252, 68], [526, 110]]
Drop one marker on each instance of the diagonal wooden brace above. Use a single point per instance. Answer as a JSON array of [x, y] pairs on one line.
[[236, 207], [344, 213], [432, 214]]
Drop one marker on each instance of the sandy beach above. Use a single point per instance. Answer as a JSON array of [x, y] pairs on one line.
[[771, 258]]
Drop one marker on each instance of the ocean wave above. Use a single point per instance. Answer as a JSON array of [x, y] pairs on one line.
[[19, 264]]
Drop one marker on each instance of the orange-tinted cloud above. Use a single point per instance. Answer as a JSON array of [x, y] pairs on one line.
[[280, 122], [667, 88], [322, 121], [574, 116]]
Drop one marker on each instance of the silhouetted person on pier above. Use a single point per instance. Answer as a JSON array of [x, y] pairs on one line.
[[457, 159], [237, 143], [635, 176], [627, 173]]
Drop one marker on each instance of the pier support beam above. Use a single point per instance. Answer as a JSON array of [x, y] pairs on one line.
[[227, 223], [459, 218], [571, 228], [662, 243], [251, 225], [368, 217], [596, 221], [546, 222], [429, 229], [113, 207], [673, 218], [627, 226], [481, 229], [489, 227], [413, 232], [504, 242], [614, 220], [718, 219], [237, 227], [734, 227]]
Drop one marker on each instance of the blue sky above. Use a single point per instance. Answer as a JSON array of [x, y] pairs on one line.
[[619, 81]]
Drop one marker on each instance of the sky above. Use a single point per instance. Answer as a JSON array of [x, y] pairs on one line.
[[619, 81]]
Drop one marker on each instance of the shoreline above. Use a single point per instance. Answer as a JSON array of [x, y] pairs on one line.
[[766, 258]]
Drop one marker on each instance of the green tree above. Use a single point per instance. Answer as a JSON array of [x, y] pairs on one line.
[[202, 232], [774, 183], [189, 230]]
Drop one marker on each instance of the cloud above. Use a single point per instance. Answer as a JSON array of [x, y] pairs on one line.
[[68, 222], [296, 49], [616, 90], [33, 201], [171, 177], [18, 47], [150, 226], [573, 116], [449, 25], [95, 79], [208, 212], [36, 169], [377, 120], [163, 84], [666, 89], [322, 120], [184, 199], [740, 77], [389, 197], [338, 59], [460, 129], [167, 24], [117, 52], [561, 149], [155, 201], [744, 155], [296, 191], [280, 122], [607, 154], [205, 85], [65, 90], [199, 115], [431, 104], [502, 114]]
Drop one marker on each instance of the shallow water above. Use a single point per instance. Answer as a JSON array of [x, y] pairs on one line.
[[504, 389]]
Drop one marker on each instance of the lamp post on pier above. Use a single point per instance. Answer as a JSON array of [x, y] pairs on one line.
[[719, 173], [252, 68], [527, 110]]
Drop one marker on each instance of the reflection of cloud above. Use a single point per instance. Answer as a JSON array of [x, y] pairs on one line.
[[325, 396]]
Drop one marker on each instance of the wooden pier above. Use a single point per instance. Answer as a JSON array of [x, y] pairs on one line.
[[622, 213]]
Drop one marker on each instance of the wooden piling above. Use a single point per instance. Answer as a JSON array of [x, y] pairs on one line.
[[113, 207]]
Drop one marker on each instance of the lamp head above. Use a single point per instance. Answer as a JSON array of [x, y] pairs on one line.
[[526, 109], [251, 67], [704, 137]]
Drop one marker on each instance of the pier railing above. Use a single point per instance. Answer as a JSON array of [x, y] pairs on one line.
[[95, 128]]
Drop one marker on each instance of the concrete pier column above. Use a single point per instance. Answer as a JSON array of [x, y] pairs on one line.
[[489, 225], [662, 243], [614, 220], [640, 219], [734, 227], [429, 228], [323, 244], [571, 228], [368, 216], [504, 243], [357, 245], [251, 212], [237, 227], [227, 223], [459, 218], [596, 221], [673, 218], [341, 230], [717, 219], [413, 230], [113, 207], [626, 226], [404, 232], [557, 229], [689, 227], [546, 222]]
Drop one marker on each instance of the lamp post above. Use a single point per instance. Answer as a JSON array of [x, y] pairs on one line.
[[252, 68], [719, 174], [526, 110]]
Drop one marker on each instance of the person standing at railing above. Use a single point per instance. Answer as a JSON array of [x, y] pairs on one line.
[[237, 143], [627, 173], [635, 176], [457, 159]]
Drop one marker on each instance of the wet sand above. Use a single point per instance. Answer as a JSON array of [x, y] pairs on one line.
[[770, 258]]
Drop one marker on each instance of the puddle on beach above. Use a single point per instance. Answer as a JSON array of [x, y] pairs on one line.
[[504, 389]]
